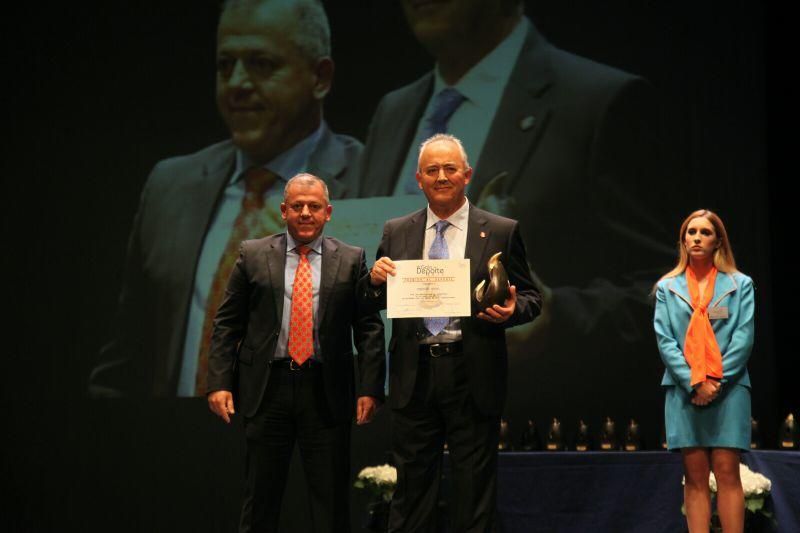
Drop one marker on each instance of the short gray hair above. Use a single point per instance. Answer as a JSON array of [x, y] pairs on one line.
[[313, 35], [307, 180], [443, 137]]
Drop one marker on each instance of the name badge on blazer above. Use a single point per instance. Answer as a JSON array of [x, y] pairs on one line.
[[718, 312]]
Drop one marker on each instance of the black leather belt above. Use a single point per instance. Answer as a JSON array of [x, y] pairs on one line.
[[442, 348], [289, 364]]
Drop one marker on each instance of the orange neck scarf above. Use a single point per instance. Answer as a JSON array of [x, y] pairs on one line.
[[700, 347]]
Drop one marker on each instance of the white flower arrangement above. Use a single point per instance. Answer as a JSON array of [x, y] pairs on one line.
[[379, 479], [756, 488]]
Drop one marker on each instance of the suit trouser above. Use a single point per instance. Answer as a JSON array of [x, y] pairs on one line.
[[441, 410], [294, 410]]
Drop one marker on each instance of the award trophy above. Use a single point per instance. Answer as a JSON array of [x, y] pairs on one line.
[[755, 435], [608, 435], [555, 441], [504, 444], [497, 290], [790, 434], [582, 438], [530, 438], [633, 439]]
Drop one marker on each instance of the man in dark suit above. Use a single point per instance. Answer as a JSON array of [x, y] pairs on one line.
[[273, 71], [282, 341], [567, 147], [447, 379]]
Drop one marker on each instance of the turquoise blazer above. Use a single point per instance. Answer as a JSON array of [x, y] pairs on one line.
[[734, 333]]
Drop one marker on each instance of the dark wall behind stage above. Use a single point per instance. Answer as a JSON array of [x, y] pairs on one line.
[[96, 93]]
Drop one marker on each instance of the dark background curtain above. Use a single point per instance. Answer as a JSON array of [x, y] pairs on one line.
[[96, 93]]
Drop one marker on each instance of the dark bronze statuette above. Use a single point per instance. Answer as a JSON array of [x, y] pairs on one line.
[[633, 438], [789, 435], [582, 443], [504, 444], [608, 436], [555, 441], [497, 290], [530, 438], [755, 434]]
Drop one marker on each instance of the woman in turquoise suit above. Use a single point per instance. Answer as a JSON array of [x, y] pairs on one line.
[[704, 326]]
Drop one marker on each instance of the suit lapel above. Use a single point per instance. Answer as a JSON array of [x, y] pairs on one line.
[[724, 285], [519, 121], [679, 287], [205, 189], [206, 194], [415, 236], [477, 237], [201, 188], [331, 260], [383, 174], [276, 263]]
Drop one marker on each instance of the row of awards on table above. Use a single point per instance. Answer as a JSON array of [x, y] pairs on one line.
[[609, 439]]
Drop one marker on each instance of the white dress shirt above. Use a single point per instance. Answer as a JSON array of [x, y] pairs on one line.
[[455, 235]]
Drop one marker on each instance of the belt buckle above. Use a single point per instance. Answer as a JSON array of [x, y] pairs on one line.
[[433, 350], [293, 365]]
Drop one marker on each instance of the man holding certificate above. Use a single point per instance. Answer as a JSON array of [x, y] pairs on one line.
[[447, 378]]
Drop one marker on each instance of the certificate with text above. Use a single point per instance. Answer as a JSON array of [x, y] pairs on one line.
[[437, 287]]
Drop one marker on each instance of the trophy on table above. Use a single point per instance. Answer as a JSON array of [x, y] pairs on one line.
[[790, 434], [530, 438], [633, 438], [582, 437], [504, 443], [555, 441], [755, 435], [608, 435]]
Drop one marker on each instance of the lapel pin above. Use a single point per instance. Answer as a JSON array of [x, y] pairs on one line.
[[526, 123], [483, 235]]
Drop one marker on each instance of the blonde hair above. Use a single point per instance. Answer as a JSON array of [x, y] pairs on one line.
[[723, 255]]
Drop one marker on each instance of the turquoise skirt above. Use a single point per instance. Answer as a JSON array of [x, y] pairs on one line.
[[724, 423]]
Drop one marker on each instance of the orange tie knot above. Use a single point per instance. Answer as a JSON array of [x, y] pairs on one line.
[[303, 249], [257, 181]]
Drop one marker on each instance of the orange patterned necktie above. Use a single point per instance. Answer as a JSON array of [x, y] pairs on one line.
[[249, 224], [301, 325]]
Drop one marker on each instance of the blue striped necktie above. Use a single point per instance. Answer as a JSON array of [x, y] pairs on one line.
[[438, 251]]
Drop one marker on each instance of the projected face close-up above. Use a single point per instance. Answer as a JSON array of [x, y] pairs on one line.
[[437, 22], [268, 86]]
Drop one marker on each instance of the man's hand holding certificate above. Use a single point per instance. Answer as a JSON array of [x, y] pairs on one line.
[[428, 288]]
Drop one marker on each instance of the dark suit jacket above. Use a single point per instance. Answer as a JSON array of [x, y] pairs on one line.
[[484, 342], [573, 155], [177, 206], [248, 323]]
